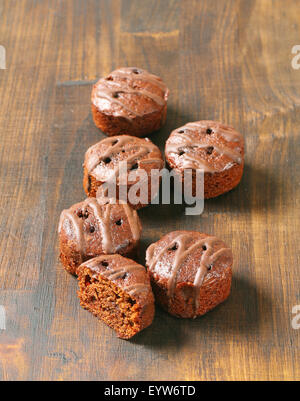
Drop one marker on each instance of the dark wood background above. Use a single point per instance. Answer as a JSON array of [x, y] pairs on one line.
[[222, 59]]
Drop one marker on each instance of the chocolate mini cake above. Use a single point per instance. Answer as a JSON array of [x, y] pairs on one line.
[[190, 272], [129, 100], [89, 229], [117, 290], [211, 146], [105, 163]]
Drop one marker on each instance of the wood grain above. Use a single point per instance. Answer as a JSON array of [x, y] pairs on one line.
[[225, 60]]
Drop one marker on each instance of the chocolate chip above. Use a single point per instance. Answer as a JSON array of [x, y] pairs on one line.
[[181, 153], [115, 95], [204, 247], [104, 263], [209, 267], [136, 71], [92, 229], [109, 78], [86, 214], [174, 247], [132, 301], [181, 131], [209, 150], [119, 222], [209, 131], [107, 160], [134, 167]]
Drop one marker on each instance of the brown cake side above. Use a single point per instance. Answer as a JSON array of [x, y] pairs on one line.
[[129, 100], [211, 146], [88, 229], [117, 291], [102, 165], [190, 272]]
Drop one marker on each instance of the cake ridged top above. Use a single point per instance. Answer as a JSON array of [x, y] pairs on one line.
[[207, 145], [187, 256], [130, 92], [102, 160]]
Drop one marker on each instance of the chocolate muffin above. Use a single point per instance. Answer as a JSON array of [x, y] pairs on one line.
[[129, 100], [117, 290], [89, 229], [215, 148], [190, 272], [126, 161]]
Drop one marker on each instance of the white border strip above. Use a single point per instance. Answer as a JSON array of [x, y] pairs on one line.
[[2, 318]]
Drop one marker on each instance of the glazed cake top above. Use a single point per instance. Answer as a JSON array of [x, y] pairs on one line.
[[206, 145], [129, 275], [129, 92]]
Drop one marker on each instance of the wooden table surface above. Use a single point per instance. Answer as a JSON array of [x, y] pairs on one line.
[[224, 60]]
